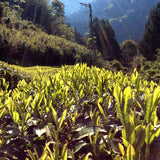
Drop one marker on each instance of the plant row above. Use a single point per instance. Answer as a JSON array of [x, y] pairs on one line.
[[80, 113]]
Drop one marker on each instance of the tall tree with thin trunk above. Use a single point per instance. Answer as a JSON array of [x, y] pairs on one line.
[[106, 41]]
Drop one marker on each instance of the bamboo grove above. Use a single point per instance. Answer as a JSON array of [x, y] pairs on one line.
[[80, 112]]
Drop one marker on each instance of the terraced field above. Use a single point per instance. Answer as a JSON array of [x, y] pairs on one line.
[[78, 112]]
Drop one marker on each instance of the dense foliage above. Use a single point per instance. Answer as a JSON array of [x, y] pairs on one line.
[[151, 38], [105, 39], [80, 113], [25, 44], [44, 15], [129, 50], [11, 76]]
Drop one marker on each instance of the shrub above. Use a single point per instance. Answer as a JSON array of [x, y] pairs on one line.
[[11, 76], [129, 50], [31, 46]]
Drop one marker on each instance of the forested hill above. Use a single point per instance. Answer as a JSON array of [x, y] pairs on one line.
[[32, 34], [127, 18]]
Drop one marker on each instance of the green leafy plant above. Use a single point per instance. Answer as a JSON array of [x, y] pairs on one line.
[[79, 112]]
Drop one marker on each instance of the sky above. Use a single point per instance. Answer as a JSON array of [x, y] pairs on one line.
[[73, 5]]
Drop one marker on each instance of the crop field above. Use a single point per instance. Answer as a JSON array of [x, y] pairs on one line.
[[32, 71], [79, 113]]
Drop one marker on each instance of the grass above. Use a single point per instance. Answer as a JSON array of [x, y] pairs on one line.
[[32, 71]]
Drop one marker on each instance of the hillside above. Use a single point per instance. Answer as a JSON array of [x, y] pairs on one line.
[[127, 18], [23, 43]]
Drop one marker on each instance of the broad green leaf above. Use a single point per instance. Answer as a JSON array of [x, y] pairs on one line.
[[81, 133], [41, 96], [148, 106], [130, 152], [64, 149], [11, 106], [154, 134], [118, 94], [90, 138], [5, 84], [47, 110], [2, 109], [28, 115], [121, 149], [55, 117], [45, 156], [1, 142], [28, 101], [100, 107], [51, 157], [134, 75], [156, 96], [154, 118], [55, 133], [149, 131], [139, 104], [79, 145], [129, 126], [140, 137], [65, 155], [16, 117], [96, 137], [125, 142], [35, 101], [118, 157], [62, 118], [157, 133], [131, 137], [81, 90], [127, 96], [87, 156]]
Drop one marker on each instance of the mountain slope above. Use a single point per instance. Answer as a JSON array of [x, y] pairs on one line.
[[127, 18], [72, 6]]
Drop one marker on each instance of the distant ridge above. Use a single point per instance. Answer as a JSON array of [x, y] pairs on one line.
[[127, 18]]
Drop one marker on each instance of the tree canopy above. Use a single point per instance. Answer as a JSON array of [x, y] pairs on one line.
[[151, 38], [106, 41]]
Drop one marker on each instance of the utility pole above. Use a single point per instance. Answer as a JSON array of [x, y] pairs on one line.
[[91, 25]]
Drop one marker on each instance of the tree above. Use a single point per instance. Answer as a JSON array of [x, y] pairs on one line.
[[65, 31], [129, 50], [59, 28], [58, 16], [151, 39], [38, 11], [106, 41], [8, 5], [1, 10], [58, 9], [10, 13], [78, 38]]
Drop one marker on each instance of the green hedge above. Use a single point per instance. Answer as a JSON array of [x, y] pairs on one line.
[[28, 45]]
